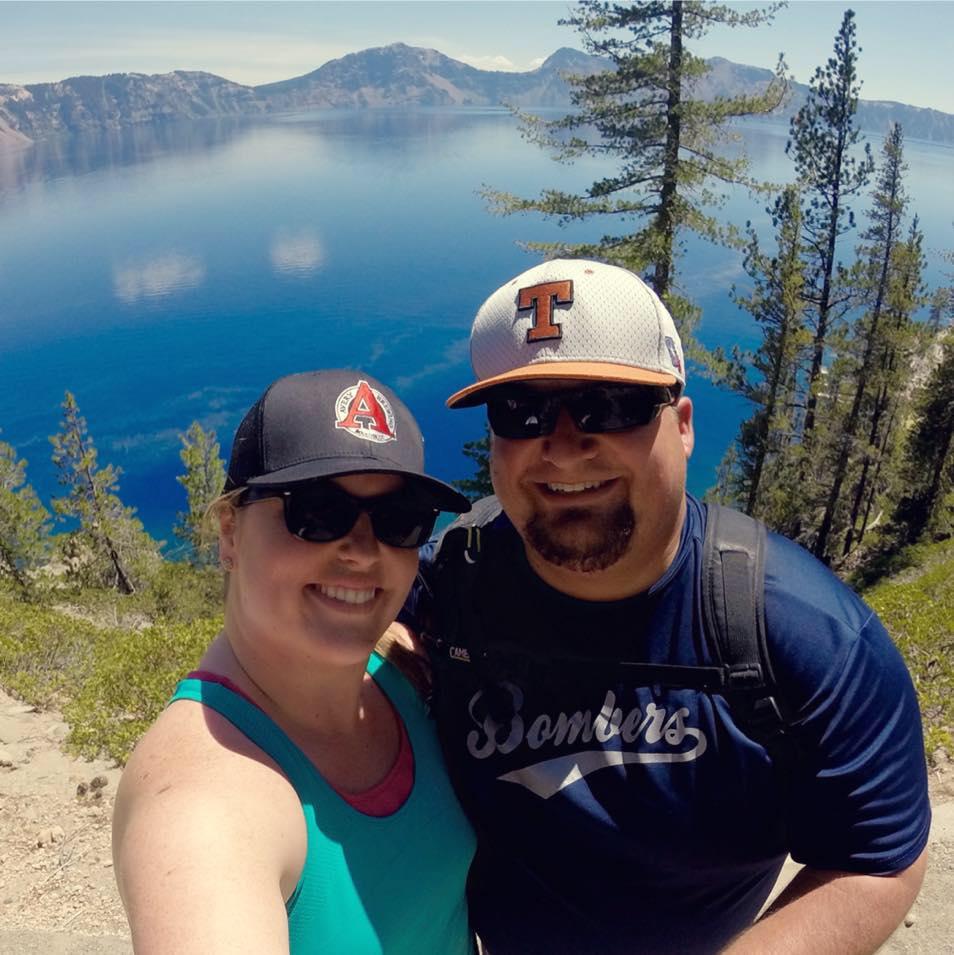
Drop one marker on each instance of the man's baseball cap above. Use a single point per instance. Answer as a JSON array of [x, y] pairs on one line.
[[573, 318], [322, 424]]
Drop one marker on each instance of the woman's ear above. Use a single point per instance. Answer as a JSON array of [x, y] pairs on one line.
[[228, 520]]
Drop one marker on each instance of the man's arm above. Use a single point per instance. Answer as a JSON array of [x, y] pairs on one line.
[[857, 808], [833, 913]]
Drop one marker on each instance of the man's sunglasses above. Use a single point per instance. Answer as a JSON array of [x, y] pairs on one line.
[[321, 511], [595, 409]]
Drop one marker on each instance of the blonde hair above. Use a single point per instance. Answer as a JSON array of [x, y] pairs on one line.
[[225, 500], [397, 646], [210, 524]]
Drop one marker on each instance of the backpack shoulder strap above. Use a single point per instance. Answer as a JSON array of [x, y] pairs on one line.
[[733, 616], [452, 625]]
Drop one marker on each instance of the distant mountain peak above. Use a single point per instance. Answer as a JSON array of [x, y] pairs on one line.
[[396, 75], [567, 56]]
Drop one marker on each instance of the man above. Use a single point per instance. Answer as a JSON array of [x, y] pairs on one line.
[[615, 816]]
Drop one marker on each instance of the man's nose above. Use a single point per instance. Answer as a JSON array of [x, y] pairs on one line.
[[567, 446]]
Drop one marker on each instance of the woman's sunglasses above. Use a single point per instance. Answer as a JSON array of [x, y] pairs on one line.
[[321, 511], [595, 409]]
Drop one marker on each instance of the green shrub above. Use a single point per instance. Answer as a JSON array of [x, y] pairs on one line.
[[180, 593], [44, 655], [919, 615], [176, 593], [131, 677]]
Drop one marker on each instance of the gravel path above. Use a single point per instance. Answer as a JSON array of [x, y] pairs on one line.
[[58, 897]]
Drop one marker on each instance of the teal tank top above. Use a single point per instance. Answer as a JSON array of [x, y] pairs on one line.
[[389, 885]]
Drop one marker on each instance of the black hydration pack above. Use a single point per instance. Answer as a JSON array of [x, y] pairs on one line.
[[733, 611]]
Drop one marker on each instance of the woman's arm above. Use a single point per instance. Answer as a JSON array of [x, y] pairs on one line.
[[208, 840]]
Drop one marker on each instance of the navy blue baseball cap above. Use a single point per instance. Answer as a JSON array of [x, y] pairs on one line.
[[322, 424]]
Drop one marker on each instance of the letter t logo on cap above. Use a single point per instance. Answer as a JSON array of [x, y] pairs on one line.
[[542, 298]]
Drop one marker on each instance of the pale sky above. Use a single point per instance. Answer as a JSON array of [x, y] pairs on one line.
[[906, 44]]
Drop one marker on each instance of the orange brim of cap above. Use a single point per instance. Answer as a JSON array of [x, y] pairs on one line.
[[555, 370]]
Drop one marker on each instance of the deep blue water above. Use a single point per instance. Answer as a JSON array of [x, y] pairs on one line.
[[166, 275]]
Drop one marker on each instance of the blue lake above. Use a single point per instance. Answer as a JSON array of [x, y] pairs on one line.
[[167, 275]]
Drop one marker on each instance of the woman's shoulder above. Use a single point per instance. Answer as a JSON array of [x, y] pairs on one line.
[[195, 750], [197, 787]]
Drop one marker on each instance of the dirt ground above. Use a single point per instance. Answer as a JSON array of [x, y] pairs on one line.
[[58, 897]]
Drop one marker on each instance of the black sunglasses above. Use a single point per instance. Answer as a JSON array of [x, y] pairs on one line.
[[595, 409], [321, 511]]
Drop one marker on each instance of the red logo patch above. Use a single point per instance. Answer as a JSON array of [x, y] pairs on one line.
[[366, 413]]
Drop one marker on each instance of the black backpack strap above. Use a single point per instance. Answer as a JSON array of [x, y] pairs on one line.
[[451, 627], [733, 612]]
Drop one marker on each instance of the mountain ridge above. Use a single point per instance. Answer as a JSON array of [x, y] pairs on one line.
[[393, 76]]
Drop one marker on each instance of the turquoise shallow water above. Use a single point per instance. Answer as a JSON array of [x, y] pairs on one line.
[[166, 275]]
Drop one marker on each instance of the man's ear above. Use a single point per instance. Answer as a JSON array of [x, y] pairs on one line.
[[687, 435]]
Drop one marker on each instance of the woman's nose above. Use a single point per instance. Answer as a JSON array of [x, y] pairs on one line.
[[360, 545]]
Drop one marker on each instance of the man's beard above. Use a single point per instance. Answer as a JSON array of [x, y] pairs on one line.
[[581, 539]]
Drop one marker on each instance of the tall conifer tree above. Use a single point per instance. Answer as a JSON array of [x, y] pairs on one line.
[[644, 112], [116, 544], [24, 521], [203, 481], [822, 138], [927, 504], [887, 296], [763, 476]]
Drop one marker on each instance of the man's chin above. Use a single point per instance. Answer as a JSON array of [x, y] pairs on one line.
[[582, 541]]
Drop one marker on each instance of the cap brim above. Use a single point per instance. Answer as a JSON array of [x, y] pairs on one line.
[[441, 495], [476, 394]]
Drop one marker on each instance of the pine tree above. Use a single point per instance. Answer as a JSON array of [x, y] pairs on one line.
[[203, 481], [480, 484], [928, 503], [821, 140], [762, 477], [643, 112], [887, 291], [24, 522], [117, 549]]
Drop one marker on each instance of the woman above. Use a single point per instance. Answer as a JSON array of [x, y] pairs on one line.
[[292, 796]]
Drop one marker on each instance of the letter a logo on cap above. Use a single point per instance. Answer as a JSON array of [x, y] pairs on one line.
[[366, 413], [542, 298]]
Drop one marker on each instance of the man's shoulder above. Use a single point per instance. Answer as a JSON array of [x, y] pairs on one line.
[[798, 582], [821, 635], [795, 580], [812, 618]]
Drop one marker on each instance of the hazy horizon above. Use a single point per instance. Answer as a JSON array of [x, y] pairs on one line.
[[261, 42]]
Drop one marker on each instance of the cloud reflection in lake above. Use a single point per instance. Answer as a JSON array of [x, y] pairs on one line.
[[297, 253], [159, 276]]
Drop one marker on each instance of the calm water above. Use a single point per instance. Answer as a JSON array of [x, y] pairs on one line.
[[168, 275]]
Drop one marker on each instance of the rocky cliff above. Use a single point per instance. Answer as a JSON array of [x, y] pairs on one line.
[[108, 102], [391, 76]]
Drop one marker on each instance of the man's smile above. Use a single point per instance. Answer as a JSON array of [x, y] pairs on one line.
[[576, 491]]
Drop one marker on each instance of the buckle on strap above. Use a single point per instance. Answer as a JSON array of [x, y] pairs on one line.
[[744, 676]]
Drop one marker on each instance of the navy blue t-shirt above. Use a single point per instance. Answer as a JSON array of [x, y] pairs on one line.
[[621, 818]]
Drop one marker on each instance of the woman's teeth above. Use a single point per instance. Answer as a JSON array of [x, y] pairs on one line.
[[347, 594]]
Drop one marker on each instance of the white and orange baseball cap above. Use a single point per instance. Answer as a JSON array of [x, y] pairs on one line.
[[573, 318]]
